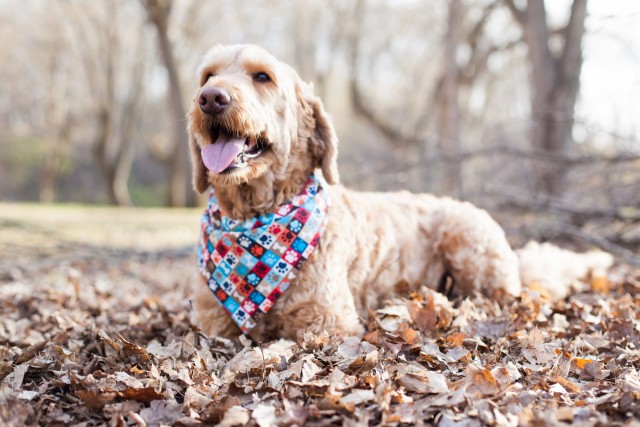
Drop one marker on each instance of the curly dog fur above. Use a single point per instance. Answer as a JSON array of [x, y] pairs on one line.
[[374, 243]]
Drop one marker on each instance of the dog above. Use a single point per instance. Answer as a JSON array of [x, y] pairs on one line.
[[257, 135]]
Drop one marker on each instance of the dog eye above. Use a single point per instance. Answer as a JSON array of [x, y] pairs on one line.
[[261, 77]]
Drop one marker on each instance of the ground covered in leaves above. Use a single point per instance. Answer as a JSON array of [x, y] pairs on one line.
[[110, 339]]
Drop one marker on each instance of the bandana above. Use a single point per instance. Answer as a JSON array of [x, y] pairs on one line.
[[249, 264]]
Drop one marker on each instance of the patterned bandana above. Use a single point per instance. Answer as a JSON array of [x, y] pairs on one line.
[[249, 264]]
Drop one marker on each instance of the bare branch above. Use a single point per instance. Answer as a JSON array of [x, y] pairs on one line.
[[518, 14], [574, 31], [357, 98]]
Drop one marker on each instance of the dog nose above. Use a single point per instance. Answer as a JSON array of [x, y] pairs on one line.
[[214, 100]]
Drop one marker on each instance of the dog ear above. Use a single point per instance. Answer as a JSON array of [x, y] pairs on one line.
[[199, 171], [323, 140]]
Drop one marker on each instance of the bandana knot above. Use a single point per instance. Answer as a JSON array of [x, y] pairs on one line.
[[249, 263]]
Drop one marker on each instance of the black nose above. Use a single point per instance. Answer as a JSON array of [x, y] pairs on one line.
[[214, 100]]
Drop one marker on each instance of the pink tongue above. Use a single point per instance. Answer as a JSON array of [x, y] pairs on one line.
[[219, 155]]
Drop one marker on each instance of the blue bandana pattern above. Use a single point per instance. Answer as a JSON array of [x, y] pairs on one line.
[[249, 264]]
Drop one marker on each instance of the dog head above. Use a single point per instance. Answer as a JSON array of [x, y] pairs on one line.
[[253, 120]]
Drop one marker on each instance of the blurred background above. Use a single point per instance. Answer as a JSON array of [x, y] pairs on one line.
[[529, 109]]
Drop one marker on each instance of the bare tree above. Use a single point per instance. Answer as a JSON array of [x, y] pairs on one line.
[[449, 106], [110, 70], [555, 82], [58, 113], [180, 191], [360, 104]]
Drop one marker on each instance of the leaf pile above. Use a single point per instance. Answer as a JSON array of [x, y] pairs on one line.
[[97, 343]]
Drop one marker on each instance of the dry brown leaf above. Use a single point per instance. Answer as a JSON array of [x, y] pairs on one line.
[[410, 336], [133, 352], [571, 386], [580, 363], [594, 370], [456, 339], [30, 352], [216, 410], [335, 403], [95, 399], [5, 369], [482, 381], [363, 363], [600, 284], [424, 315], [114, 345], [143, 395]]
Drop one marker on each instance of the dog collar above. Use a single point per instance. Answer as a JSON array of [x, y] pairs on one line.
[[249, 264]]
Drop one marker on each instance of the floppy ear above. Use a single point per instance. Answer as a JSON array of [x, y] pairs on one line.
[[323, 141], [200, 183]]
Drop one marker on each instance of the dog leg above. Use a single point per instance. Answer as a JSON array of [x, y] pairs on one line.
[[320, 303], [211, 317]]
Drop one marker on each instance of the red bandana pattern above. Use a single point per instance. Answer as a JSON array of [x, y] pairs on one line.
[[249, 264]]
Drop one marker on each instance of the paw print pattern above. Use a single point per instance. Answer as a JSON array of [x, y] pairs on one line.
[[282, 267], [295, 226], [291, 256], [266, 240], [269, 258], [253, 279], [299, 245], [231, 259], [244, 241]]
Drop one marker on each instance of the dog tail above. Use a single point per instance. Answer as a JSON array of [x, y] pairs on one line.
[[557, 271]]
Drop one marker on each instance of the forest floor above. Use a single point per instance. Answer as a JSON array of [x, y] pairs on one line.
[[96, 328]]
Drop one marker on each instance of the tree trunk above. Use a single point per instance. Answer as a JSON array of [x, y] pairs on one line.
[[101, 152], [449, 107], [555, 82], [53, 161], [180, 191], [58, 127], [129, 118], [106, 109]]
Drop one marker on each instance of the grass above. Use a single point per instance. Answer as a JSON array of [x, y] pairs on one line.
[[32, 231]]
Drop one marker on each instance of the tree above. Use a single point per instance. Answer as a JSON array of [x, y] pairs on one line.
[[114, 78], [449, 106], [58, 114], [555, 82], [180, 191]]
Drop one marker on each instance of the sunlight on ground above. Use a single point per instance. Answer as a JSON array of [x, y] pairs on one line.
[[39, 229]]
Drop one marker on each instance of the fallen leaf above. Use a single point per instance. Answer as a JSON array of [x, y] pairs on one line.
[[265, 415], [569, 385], [143, 395], [424, 315], [235, 416], [482, 381], [358, 396], [94, 399], [335, 403], [601, 284], [28, 394], [415, 378]]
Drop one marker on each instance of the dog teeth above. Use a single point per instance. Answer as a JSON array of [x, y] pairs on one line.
[[243, 157]]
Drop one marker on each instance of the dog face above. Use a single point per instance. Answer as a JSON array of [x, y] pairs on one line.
[[253, 116]]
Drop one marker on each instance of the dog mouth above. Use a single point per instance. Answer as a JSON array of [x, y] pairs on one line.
[[230, 151]]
